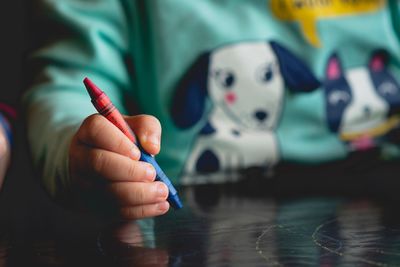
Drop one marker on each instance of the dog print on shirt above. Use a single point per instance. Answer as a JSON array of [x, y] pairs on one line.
[[362, 103], [237, 92]]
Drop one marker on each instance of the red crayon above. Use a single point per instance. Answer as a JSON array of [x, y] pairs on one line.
[[106, 108]]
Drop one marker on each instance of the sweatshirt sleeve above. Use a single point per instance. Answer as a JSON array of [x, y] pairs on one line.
[[82, 38]]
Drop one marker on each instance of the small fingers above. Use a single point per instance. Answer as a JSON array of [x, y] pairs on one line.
[[144, 211], [98, 132], [136, 193], [112, 167], [148, 130]]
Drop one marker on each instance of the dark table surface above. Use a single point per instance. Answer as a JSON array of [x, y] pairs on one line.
[[298, 221]]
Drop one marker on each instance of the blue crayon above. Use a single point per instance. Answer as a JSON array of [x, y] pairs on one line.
[[173, 198]]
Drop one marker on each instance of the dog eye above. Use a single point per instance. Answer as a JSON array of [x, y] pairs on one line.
[[337, 97], [225, 78], [387, 88], [266, 73]]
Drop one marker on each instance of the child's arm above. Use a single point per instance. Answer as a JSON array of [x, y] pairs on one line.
[[89, 39]]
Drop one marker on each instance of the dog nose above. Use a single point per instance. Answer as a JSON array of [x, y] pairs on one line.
[[261, 115], [367, 111]]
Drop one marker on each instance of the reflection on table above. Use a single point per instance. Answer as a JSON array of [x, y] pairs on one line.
[[240, 230], [245, 224]]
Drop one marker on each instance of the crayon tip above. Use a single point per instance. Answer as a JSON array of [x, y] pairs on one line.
[[175, 201], [92, 89]]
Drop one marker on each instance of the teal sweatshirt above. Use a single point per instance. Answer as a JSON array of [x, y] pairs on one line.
[[235, 84]]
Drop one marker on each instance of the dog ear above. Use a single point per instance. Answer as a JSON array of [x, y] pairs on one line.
[[385, 83], [188, 103], [335, 103], [378, 61], [297, 76], [334, 68]]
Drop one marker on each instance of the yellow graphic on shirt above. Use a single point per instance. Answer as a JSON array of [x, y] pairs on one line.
[[307, 12]]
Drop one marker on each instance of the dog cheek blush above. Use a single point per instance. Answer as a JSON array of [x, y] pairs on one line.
[[230, 97]]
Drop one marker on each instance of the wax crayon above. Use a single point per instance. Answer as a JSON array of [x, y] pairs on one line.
[[105, 107]]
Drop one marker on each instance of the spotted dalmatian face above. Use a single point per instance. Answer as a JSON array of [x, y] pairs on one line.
[[246, 83], [236, 92]]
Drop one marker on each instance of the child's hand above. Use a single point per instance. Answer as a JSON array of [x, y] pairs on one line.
[[101, 154]]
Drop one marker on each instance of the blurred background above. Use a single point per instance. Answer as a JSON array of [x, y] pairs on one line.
[[12, 48]]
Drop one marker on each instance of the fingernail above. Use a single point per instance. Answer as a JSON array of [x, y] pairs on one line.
[[135, 153], [162, 190], [150, 172], [154, 140], [163, 206]]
